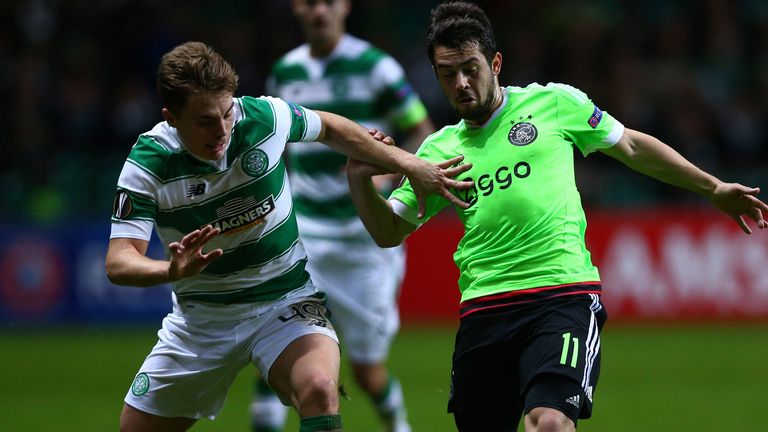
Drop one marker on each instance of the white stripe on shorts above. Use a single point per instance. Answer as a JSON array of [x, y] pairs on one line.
[[592, 349]]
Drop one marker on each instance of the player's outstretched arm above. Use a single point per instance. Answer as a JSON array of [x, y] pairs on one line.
[[353, 140], [127, 263], [648, 155], [386, 228]]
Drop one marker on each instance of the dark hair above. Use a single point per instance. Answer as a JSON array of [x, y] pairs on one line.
[[193, 67], [460, 24]]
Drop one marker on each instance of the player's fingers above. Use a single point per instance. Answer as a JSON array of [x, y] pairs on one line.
[[379, 135], [456, 170], [208, 233], [190, 238], [212, 255], [458, 184], [748, 190], [455, 200], [450, 162], [756, 215], [743, 224], [420, 199], [176, 247], [755, 202]]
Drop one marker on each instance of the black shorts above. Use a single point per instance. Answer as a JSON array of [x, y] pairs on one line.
[[509, 360]]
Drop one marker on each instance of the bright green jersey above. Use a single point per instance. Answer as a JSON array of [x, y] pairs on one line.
[[245, 195], [357, 81], [525, 227]]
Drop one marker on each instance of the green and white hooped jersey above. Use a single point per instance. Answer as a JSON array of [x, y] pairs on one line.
[[245, 194], [525, 227], [357, 81]]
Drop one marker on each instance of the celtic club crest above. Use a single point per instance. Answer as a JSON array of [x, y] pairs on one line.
[[255, 163], [140, 384]]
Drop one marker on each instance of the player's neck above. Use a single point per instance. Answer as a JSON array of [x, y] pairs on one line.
[[323, 48], [498, 99]]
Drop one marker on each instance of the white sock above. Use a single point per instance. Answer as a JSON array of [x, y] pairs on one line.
[[268, 413]]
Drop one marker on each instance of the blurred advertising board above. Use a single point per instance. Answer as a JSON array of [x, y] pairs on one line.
[[656, 264], [57, 274]]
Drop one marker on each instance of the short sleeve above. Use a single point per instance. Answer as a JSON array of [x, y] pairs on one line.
[[583, 123], [397, 99], [305, 123], [403, 198]]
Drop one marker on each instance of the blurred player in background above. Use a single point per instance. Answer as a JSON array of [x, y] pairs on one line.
[[211, 180], [334, 71], [530, 311]]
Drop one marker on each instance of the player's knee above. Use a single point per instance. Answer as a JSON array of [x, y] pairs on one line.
[[548, 420], [319, 396], [371, 378]]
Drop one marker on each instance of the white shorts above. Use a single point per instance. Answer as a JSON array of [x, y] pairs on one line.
[[202, 347], [362, 281]]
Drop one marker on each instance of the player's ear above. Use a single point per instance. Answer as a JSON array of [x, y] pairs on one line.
[[169, 117], [496, 64]]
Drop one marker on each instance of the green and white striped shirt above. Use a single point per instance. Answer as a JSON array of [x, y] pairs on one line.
[[357, 81], [245, 194]]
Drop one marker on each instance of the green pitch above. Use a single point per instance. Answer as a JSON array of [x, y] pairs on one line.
[[703, 378]]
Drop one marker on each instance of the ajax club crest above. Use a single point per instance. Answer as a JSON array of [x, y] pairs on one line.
[[522, 133]]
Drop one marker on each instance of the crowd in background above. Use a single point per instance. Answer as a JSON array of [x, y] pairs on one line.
[[77, 82]]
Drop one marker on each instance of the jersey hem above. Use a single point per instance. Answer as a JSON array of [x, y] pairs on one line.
[[500, 300]]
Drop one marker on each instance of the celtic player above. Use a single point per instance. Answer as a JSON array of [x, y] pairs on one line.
[[211, 180], [334, 71], [528, 342]]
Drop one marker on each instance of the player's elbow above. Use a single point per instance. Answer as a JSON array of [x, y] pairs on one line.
[[113, 273], [386, 242], [388, 239]]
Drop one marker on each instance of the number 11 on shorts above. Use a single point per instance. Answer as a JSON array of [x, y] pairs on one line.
[[566, 344]]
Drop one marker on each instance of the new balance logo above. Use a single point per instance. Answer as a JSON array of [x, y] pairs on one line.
[[573, 400], [195, 190]]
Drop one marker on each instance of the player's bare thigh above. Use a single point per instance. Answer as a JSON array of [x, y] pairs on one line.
[[306, 375], [132, 420]]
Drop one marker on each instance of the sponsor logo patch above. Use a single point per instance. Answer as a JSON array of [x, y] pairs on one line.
[[597, 115], [122, 205], [196, 190], [522, 133], [239, 214]]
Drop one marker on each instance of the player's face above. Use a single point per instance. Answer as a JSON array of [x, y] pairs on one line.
[[205, 124], [468, 81], [322, 20]]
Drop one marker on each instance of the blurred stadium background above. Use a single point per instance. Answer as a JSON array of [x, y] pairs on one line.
[[687, 343]]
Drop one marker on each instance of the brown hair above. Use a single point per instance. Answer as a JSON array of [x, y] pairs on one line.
[[459, 25], [193, 67]]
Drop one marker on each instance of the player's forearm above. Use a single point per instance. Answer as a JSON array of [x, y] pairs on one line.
[[648, 155], [128, 267], [376, 213], [353, 140]]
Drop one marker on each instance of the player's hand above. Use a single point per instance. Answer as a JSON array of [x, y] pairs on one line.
[[359, 168], [187, 256], [439, 179], [738, 201], [384, 181], [381, 136]]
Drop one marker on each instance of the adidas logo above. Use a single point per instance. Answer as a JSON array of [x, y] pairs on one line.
[[573, 400]]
